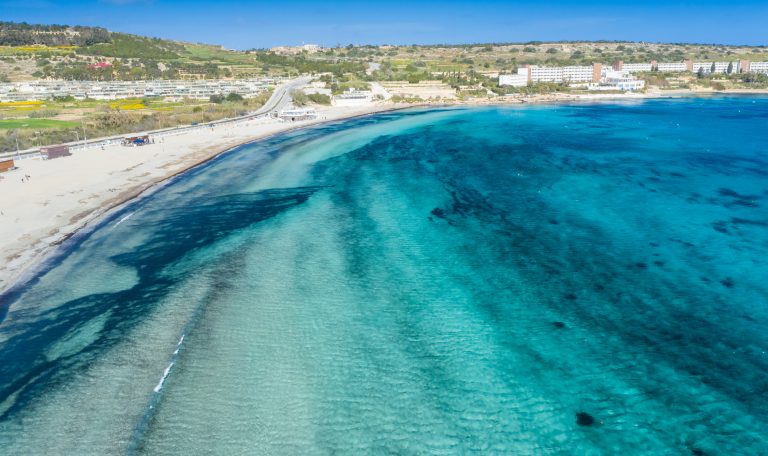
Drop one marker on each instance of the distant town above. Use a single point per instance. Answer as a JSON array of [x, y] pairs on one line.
[[618, 76], [116, 90]]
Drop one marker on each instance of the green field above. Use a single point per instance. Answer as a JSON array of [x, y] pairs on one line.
[[31, 124], [201, 53], [32, 50]]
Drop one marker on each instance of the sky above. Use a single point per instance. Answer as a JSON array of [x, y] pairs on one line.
[[240, 24]]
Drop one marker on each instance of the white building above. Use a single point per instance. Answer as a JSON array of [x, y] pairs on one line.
[[720, 67], [519, 79], [577, 73], [292, 50], [560, 74], [758, 67], [703, 66], [636, 67], [672, 67], [625, 82], [545, 74], [617, 80], [293, 113], [115, 90], [353, 97]]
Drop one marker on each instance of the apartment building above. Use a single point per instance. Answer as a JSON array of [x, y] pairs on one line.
[[617, 80], [519, 79], [757, 67], [672, 67], [720, 67], [632, 67], [579, 73], [566, 74], [116, 90]]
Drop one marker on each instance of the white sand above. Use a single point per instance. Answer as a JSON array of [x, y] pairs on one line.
[[65, 194]]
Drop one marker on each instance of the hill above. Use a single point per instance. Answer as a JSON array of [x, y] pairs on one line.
[[23, 34], [92, 53]]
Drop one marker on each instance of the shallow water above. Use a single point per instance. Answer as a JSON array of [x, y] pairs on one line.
[[574, 279]]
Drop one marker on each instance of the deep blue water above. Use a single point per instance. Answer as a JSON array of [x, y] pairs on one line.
[[571, 279]]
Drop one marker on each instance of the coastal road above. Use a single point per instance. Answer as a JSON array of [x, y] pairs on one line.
[[280, 98]]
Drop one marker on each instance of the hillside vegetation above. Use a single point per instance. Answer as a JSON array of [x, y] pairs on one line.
[[23, 34], [131, 46], [70, 52]]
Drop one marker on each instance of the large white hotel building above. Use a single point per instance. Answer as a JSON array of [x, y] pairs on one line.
[[567, 74], [594, 73], [736, 66]]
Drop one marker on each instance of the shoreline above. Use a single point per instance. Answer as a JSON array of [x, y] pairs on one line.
[[561, 97], [23, 254]]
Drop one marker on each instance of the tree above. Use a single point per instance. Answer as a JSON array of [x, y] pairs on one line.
[[234, 97], [730, 68], [700, 73], [299, 98], [713, 68], [319, 98]]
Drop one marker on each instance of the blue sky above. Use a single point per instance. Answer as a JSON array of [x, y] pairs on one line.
[[243, 24]]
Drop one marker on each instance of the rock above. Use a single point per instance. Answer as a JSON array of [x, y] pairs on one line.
[[438, 212], [584, 419]]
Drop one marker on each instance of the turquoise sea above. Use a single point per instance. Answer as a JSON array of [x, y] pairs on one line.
[[567, 279]]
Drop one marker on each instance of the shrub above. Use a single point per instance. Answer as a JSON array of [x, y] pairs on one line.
[[299, 98], [319, 98], [43, 114]]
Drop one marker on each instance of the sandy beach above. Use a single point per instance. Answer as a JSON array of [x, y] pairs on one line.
[[46, 201]]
